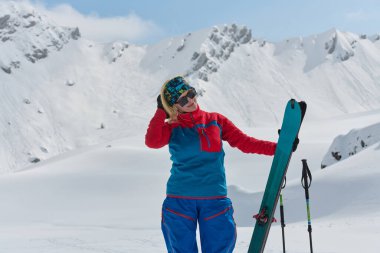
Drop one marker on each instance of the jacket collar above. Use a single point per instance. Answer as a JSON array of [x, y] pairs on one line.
[[190, 117]]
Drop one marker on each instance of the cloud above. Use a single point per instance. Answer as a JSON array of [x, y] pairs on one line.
[[102, 29], [361, 15], [356, 15]]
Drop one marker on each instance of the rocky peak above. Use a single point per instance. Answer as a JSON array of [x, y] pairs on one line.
[[113, 51], [27, 35], [340, 45], [218, 47]]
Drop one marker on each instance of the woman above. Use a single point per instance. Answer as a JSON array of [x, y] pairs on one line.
[[196, 190]]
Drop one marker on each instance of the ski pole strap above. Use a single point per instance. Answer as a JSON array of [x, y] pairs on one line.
[[306, 175], [284, 184]]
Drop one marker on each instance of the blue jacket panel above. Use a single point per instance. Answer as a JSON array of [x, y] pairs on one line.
[[197, 172]]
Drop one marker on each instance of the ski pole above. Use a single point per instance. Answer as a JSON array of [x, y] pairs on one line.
[[306, 175], [282, 218]]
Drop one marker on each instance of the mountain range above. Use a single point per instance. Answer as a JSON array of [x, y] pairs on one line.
[[59, 91]]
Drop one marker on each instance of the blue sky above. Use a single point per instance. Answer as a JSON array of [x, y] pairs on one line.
[[273, 20]]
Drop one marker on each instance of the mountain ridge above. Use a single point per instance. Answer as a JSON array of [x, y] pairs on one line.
[[28, 36], [79, 92]]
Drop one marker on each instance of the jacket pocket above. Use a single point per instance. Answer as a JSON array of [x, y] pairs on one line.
[[210, 138]]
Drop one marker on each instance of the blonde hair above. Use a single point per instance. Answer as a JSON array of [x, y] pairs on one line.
[[171, 110]]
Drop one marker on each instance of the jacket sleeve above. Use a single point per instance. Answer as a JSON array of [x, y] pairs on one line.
[[158, 133], [236, 138]]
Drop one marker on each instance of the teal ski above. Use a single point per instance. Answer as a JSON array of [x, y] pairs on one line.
[[291, 124]]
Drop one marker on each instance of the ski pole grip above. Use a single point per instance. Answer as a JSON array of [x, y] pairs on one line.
[[304, 164], [306, 175]]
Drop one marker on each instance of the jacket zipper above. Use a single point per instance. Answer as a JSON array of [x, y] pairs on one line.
[[203, 131]]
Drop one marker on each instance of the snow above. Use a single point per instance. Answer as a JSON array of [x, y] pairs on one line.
[[108, 197], [353, 142], [81, 92], [77, 177]]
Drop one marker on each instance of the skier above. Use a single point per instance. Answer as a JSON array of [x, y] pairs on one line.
[[196, 190]]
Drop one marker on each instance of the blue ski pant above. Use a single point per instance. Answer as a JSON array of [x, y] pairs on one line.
[[217, 227]]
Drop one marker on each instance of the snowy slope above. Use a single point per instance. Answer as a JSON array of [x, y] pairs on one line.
[[73, 114], [342, 190], [47, 115], [108, 198]]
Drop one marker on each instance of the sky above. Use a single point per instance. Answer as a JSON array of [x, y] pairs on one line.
[[147, 21]]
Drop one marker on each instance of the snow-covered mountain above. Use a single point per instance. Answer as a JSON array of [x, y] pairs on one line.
[[351, 143], [59, 91], [197, 54], [27, 36]]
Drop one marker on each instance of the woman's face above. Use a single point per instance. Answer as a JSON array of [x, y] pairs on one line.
[[191, 103]]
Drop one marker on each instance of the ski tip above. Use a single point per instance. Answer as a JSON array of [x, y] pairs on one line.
[[302, 104], [303, 107], [292, 102]]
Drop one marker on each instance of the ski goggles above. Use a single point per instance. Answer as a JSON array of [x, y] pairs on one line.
[[185, 99]]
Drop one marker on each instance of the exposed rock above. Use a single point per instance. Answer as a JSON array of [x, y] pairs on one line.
[[352, 143], [70, 83], [221, 43], [31, 24], [4, 21], [6, 69], [37, 55], [15, 64], [201, 61], [115, 50], [28, 15], [331, 45], [182, 45], [195, 56], [346, 56], [32, 36], [40, 54], [75, 35], [4, 39], [336, 155], [34, 160]]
